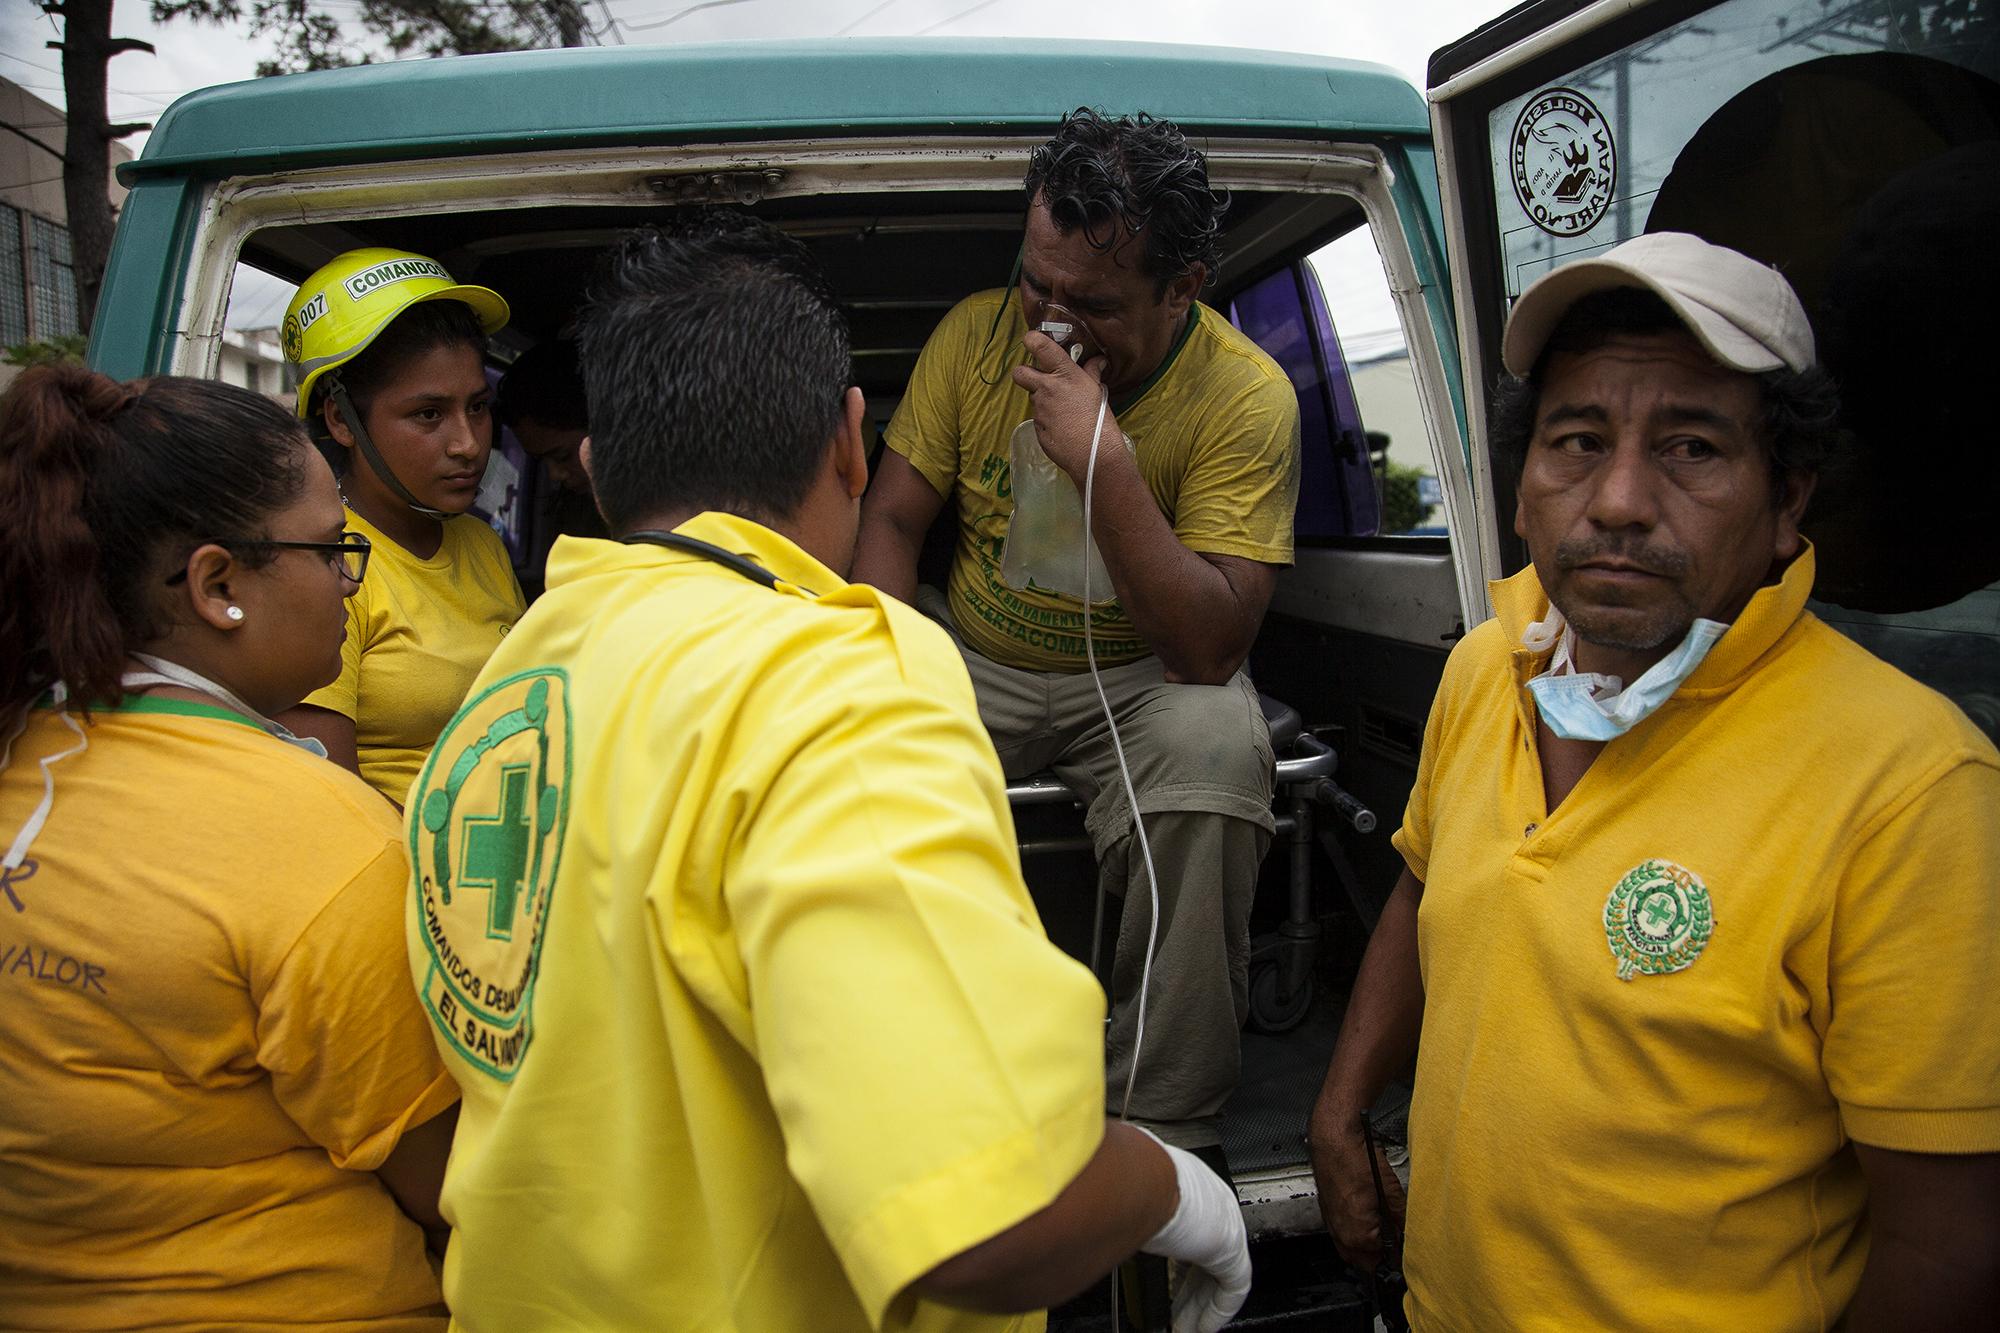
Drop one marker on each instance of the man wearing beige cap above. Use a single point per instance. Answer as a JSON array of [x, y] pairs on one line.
[[1704, 968]]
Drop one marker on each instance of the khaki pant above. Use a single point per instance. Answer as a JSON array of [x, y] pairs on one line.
[[1200, 758]]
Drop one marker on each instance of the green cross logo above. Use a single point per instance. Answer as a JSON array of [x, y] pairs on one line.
[[488, 812], [497, 851], [1658, 919]]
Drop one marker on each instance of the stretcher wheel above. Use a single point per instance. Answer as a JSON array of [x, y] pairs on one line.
[[1271, 1011]]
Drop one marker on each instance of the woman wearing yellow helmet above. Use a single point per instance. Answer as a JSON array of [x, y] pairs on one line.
[[391, 355]]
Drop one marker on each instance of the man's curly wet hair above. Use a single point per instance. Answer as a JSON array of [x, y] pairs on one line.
[[1131, 175]]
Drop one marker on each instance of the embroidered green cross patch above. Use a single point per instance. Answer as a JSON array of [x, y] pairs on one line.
[[1658, 919], [488, 814]]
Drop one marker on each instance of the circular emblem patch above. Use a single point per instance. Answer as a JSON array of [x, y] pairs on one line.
[[1563, 161], [486, 831], [1658, 919]]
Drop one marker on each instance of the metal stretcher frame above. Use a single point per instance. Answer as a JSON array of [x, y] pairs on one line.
[[1281, 968]]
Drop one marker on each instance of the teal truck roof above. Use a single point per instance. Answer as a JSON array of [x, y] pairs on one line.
[[638, 95]]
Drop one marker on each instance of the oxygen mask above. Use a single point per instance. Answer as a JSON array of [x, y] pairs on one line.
[[1068, 331]]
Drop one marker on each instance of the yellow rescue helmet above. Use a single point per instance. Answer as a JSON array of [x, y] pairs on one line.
[[341, 308]]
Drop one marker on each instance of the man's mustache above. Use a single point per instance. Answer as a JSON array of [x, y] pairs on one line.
[[1661, 560]]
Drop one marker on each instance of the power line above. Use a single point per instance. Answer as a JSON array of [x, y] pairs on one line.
[[864, 18], [157, 96], [4, 55], [610, 23], [961, 14], [680, 14], [50, 149], [265, 310]]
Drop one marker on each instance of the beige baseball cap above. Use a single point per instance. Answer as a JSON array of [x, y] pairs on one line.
[[1743, 312]]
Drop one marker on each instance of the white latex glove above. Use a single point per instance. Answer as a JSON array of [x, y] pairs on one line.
[[1206, 1234]]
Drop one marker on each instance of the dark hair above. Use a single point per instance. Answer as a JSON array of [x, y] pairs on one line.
[[544, 385], [422, 328], [1801, 407], [716, 363], [103, 486], [1132, 175]]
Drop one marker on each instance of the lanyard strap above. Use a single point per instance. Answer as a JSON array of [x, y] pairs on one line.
[[163, 672], [729, 560]]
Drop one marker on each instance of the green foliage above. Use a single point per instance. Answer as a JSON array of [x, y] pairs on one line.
[[308, 36], [1401, 509], [45, 351]]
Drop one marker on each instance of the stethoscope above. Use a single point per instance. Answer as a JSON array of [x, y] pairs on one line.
[[729, 560]]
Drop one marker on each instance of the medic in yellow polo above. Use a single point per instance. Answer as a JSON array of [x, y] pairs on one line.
[[716, 908], [1696, 919]]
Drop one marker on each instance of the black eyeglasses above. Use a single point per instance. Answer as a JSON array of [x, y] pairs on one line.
[[353, 551]]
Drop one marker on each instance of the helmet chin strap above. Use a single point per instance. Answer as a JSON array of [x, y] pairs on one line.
[[337, 392]]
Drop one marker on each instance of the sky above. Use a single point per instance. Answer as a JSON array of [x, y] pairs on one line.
[[1398, 33]]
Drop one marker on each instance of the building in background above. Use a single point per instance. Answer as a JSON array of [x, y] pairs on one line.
[[253, 359], [37, 284], [1386, 389]]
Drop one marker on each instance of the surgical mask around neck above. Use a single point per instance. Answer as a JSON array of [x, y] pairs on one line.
[[164, 672], [1593, 706]]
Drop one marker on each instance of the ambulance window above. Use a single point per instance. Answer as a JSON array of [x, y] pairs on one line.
[[1356, 288], [1365, 465], [1282, 313], [252, 355]]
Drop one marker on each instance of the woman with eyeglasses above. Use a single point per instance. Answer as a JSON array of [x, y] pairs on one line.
[[220, 1103], [391, 355]]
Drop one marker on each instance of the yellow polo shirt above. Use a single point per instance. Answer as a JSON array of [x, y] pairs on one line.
[[1796, 861], [417, 633], [720, 922], [208, 1039], [1215, 432]]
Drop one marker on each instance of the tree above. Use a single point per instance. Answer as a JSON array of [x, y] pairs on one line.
[[87, 47], [307, 37], [1402, 503]]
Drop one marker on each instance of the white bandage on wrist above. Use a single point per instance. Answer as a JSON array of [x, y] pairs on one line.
[[1206, 1233]]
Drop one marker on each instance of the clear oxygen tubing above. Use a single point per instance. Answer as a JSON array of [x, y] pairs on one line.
[[1131, 799], [1124, 771]]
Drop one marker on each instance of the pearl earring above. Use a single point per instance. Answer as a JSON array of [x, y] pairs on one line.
[[234, 613]]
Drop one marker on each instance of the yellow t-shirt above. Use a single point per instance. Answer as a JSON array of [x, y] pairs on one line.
[[1814, 838], [208, 1039], [417, 633], [721, 924], [1215, 433]]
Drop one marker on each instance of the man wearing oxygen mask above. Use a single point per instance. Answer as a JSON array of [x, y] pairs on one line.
[[1103, 350], [1704, 966]]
